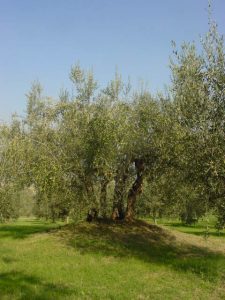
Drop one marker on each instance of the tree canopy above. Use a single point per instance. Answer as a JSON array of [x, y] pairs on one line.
[[123, 152]]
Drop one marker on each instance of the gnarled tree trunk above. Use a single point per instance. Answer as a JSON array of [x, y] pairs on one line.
[[103, 197], [135, 190], [119, 193]]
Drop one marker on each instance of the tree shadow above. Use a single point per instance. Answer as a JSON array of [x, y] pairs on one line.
[[8, 259], [17, 285], [21, 231], [146, 242]]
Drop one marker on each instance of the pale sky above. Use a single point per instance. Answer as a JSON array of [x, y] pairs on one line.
[[42, 39]]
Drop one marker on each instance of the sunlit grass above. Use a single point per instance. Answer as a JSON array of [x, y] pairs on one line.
[[108, 261], [201, 228]]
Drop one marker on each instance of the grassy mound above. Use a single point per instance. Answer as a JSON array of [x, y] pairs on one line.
[[108, 261]]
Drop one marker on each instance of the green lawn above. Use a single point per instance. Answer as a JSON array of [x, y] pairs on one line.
[[39, 260]]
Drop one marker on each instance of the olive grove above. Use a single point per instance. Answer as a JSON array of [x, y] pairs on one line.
[[120, 151]]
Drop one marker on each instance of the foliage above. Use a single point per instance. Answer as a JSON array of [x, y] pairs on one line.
[[121, 151]]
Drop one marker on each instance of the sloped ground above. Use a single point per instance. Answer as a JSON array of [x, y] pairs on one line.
[[108, 261]]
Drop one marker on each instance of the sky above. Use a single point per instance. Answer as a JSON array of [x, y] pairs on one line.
[[42, 39]]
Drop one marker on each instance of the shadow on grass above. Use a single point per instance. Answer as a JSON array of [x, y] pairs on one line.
[[17, 285], [25, 229], [8, 259], [149, 243]]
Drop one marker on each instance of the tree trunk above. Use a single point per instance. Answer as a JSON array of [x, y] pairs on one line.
[[119, 192], [135, 190], [103, 197]]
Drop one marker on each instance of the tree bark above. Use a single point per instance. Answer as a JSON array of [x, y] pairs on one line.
[[135, 190], [119, 192], [103, 197]]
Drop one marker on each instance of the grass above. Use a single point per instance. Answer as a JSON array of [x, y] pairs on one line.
[[40, 260], [196, 229]]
